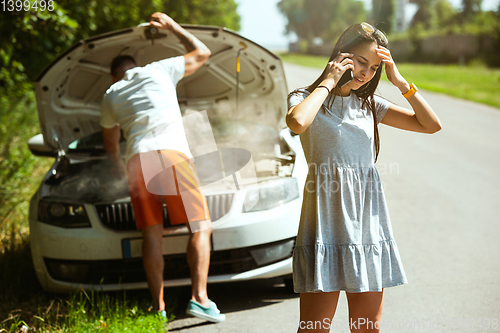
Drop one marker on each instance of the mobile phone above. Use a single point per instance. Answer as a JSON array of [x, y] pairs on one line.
[[346, 78]]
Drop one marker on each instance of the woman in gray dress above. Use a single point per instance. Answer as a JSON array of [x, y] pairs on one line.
[[345, 240]]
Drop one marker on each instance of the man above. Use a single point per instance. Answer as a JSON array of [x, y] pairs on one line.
[[143, 101]]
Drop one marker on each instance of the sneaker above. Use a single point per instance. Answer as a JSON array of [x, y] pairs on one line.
[[211, 313], [162, 314]]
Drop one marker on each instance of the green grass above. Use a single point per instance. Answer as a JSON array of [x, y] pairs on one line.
[[85, 313], [475, 83], [23, 303]]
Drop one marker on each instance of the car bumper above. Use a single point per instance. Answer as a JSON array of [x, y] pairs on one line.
[[234, 242], [274, 270]]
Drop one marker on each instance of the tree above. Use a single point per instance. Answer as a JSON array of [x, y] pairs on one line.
[[343, 13], [31, 39], [424, 16], [471, 6], [383, 14], [304, 20], [325, 19], [445, 13], [469, 9]]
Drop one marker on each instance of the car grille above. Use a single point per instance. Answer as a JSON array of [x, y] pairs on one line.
[[104, 272], [120, 216]]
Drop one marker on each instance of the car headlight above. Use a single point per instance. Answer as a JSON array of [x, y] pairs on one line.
[[62, 214], [272, 194]]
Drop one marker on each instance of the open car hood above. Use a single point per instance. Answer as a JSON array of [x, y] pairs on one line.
[[69, 91]]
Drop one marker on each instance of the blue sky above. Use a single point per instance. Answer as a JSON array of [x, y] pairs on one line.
[[262, 22]]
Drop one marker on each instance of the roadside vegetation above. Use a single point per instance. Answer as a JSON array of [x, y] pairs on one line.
[[318, 23], [474, 82], [84, 312], [26, 307]]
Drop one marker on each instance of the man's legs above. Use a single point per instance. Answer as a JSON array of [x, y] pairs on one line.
[[198, 256], [154, 263], [198, 252], [194, 209], [190, 207], [148, 212]]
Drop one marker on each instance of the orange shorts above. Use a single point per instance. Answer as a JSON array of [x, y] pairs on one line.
[[174, 180]]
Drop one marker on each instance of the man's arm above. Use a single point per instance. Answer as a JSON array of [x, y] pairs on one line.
[[198, 53], [111, 138]]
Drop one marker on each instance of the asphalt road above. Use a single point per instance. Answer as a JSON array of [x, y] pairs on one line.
[[442, 192]]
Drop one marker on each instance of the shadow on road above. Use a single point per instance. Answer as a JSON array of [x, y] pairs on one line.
[[233, 297]]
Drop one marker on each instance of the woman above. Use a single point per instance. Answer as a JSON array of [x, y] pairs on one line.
[[345, 241]]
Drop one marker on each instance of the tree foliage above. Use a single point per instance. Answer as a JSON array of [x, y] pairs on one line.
[[424, 17], [471, 6], [469, 9], [383, 14], [31, 39], [445, 13], [436, 14], [433, 14], [325, 19], [440, 18]]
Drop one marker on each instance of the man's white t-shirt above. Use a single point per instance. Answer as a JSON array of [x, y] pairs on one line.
[[144, 104]]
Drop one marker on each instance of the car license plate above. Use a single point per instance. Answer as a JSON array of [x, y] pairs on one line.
[[132, 248]]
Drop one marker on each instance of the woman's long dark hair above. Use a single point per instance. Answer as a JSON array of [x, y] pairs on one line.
[[350, 38]]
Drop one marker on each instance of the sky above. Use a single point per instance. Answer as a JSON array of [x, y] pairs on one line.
[[262, 22]]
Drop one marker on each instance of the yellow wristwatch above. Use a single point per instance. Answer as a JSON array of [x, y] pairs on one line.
[[413, 89]]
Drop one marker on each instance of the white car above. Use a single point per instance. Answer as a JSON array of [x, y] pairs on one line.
[[82, 227]]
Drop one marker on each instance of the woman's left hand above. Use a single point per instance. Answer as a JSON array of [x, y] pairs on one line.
[[390, 67]]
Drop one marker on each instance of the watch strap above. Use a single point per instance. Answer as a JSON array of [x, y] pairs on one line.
[[413, 90]]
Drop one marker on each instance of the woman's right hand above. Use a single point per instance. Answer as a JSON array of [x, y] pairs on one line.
[[336, 68], [300, 116]]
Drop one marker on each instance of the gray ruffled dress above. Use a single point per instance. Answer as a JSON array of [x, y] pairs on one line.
[[345, 239]]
